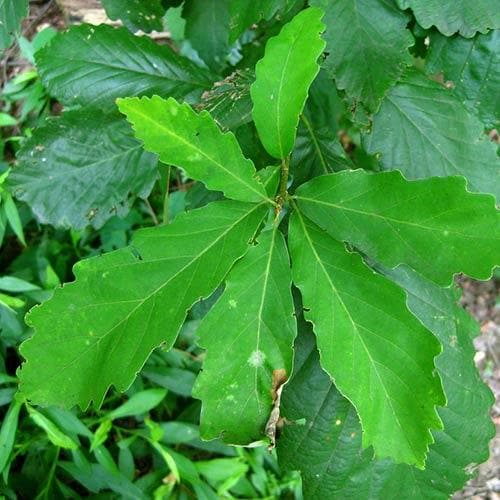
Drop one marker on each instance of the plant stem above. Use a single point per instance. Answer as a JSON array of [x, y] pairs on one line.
[[285, 168], [167, 194]]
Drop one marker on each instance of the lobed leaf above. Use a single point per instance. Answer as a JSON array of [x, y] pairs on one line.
[[145, 15], [93, 65], [380, 357], [332, 428], [283, 77], [76, 170], [99, 330], [423, 130], [426, 224], [365, 34], [452, 16], [11, 14], [194, 142], [249, 336], [244, 13], [472, 68]]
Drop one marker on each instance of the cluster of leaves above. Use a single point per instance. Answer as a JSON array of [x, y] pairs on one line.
[[370, 234]]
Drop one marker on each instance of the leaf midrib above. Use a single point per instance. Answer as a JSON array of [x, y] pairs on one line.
[[372, 361], [153, 293], [202, 153], [398, 221]]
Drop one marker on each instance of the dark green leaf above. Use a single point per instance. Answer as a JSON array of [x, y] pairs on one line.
[[452, 16], [472, 68], [327, 449], [423, 130], [368, 43], [93, 65], [11, 14], [79, 169], [229, 101], [145, 15], [207, 28]]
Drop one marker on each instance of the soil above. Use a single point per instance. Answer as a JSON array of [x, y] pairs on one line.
[[480, 298]]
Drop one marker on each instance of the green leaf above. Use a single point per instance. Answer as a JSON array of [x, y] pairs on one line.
[[8, 432], [11, 14], [426, 224], [145, 15], [56, 436], [283, 77], [423, 130], [124, 304], [452, 16], [12, 215], [7, 120], [193, 142], [472, 68], [76, 170], [249, 336], [207, 28], [380, 356], [317, 147], [16, 285], [365, 34], [332, 429], [139, 403], [244, 13], [93, 65]]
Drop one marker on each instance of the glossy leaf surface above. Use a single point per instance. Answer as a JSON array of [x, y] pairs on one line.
[[195, 143], [248, 335], [283, 77], [99, 330], [332, 429], [427, 224], [93, 65], [380, 357]]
